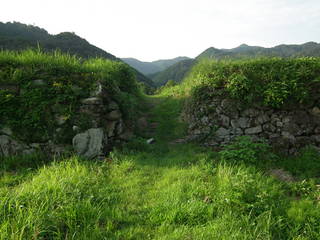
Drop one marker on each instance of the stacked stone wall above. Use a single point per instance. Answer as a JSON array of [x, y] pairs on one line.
[[219, 120], [105, 127]]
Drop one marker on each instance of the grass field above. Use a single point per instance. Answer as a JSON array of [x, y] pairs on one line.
[[161, 191]]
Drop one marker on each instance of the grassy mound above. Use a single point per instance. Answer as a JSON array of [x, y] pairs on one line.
[[271, 82], [35, 86]]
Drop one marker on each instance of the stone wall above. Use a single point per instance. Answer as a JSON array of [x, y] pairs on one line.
[[217, 121], [104, 127]]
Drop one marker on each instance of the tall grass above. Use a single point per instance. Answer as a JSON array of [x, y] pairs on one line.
[[185, 193]]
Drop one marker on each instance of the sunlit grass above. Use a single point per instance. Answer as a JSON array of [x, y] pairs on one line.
[[143, 195], [55, 60]]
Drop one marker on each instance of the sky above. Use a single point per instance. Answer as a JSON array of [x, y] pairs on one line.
[[163, 29]]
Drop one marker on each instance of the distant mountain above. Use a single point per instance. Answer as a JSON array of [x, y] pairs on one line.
[[311, 49], [176, 72], [148, 68], [18, 36], [164, 64], [143, 67], [179, 70]]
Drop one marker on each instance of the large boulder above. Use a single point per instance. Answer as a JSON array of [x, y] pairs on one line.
[[90, 144]]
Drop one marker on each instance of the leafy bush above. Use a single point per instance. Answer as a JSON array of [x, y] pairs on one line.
[[304, 165], [268, 81], [244, 150]]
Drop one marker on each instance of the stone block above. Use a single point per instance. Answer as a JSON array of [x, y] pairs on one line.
[[292, 128], [250, 112], [288, 135], [253, 130], [221, 132], [261, 119], [225, 120], [243, 122]]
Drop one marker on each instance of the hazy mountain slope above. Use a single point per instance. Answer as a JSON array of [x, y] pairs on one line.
[[176, 72], [152, 67], [143, 67], [165, 63], [18, 36]]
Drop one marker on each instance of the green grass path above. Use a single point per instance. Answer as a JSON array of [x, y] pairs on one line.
[[158, 191]]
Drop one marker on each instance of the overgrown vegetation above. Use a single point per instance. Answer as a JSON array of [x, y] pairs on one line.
[[271, 82], [36, 87]]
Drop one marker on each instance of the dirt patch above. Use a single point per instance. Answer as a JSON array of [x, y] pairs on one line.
[[282, 175]]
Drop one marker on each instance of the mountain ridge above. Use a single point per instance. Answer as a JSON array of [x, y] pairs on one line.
[[310, 49]]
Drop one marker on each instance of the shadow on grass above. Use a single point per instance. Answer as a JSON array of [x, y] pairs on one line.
[[22, 162], [165, 112], [16, 168], [261, 156]]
